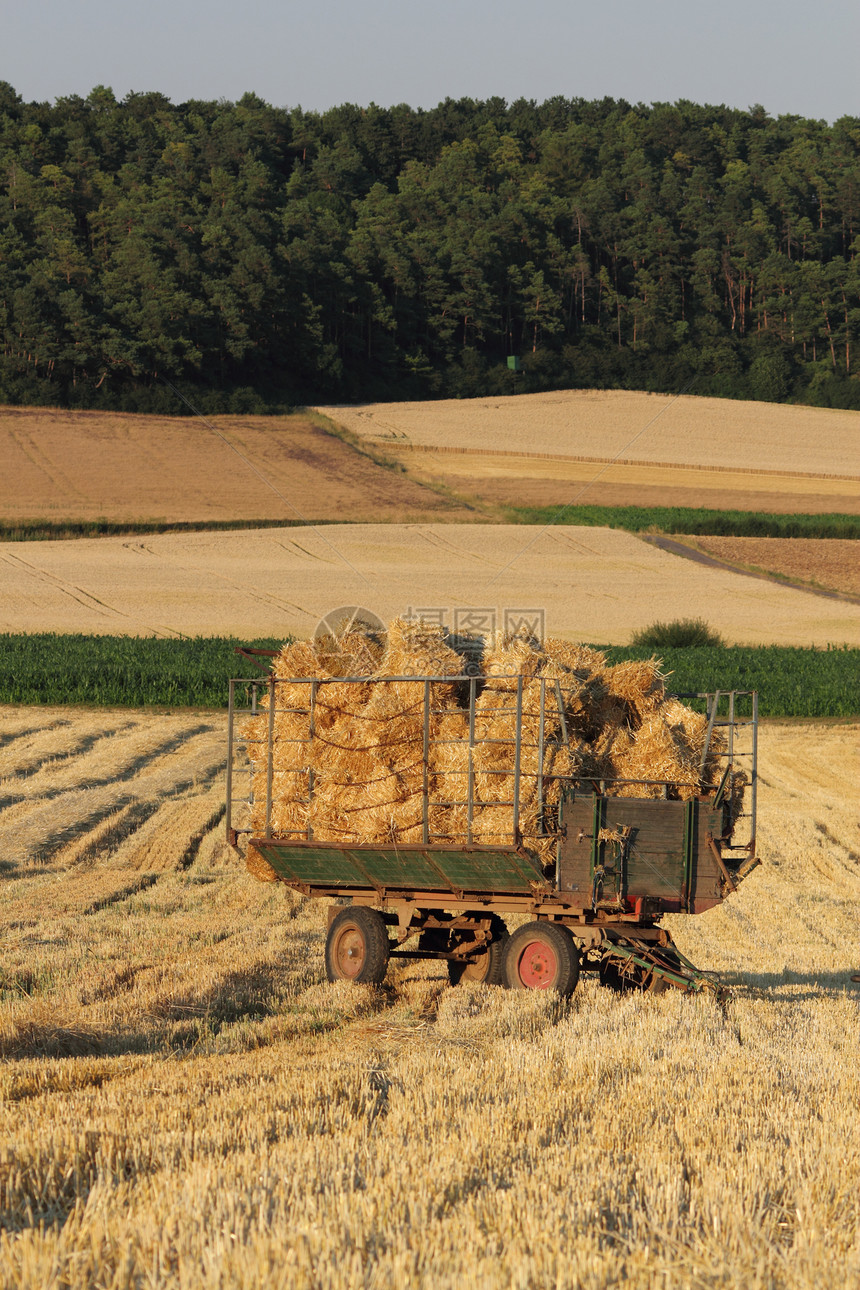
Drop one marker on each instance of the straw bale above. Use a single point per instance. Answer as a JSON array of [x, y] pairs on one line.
[[669, 746], [258, 867], [295, 754], [510, 657], [419, 649], [365, 750], [690, 730], [448, 787], [581, 660], [371, 780], [496, 738], [354, 653], [371, 788], [640, 684], [654, 754]]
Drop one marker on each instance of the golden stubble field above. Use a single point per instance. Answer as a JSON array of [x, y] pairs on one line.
[[449, 462], [598, 585], [623, 448], [657, 428], [185, 1102]]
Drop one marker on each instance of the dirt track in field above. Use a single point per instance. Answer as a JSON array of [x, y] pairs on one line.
[[832, 564], [117, 466], [592, 584]]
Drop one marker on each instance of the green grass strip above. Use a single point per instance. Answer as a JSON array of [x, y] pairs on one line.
[[135, 672], [693, 520], [792, 682], [121, 671], [635, 519], [63, 530]]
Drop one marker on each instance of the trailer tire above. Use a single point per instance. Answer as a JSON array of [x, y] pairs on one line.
[[542, 956], [357, 946], [489, 966]]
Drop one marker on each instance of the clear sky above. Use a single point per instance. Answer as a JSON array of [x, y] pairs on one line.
[[789, 55]]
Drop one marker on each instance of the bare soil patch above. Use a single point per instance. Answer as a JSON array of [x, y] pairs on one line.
[[832, 564], [117, 466], [654, 428]]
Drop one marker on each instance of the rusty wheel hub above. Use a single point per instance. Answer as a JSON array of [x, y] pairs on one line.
[[349, 952], [537, 966]]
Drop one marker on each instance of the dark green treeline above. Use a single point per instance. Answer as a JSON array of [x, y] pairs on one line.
[[260, 257]]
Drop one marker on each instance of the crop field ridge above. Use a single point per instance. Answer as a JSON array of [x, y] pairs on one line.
[[464, 450], [184, 1100]]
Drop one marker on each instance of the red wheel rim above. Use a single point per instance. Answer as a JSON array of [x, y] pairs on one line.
[[349, 951], [537, 966]]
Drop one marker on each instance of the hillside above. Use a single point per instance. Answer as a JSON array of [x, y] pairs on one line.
[[256, 257], [615, 447], [121, 466]]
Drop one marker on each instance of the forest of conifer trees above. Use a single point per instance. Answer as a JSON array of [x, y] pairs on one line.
[[257, 258]]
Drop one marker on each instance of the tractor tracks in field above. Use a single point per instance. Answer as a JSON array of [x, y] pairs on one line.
[[83, 798]]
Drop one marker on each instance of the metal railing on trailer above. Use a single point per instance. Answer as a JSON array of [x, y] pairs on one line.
[[733, 712]]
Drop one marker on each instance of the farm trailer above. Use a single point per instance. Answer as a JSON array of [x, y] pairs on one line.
[[619, 863]]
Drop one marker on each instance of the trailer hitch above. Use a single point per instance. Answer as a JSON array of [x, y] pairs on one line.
[[637, 963]]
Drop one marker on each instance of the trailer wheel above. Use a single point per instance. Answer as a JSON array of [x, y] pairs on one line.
[[489, 966], [542, 956], [357, 948]]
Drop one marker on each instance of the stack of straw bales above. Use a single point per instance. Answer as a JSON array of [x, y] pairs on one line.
[[362, 751]]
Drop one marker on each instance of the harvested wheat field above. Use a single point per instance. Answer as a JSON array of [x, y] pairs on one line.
[[833, 563], [517, 479], [594, 584], [62, 465], [538, 449], [674, 429], [184, 1100]]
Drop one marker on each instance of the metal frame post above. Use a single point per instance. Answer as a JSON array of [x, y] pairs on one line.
[[230, 705], [754, 773], [711, 718], [425, 783], [270, 757], [518, 759], [311, 731], [470, 793], [540, 756]]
